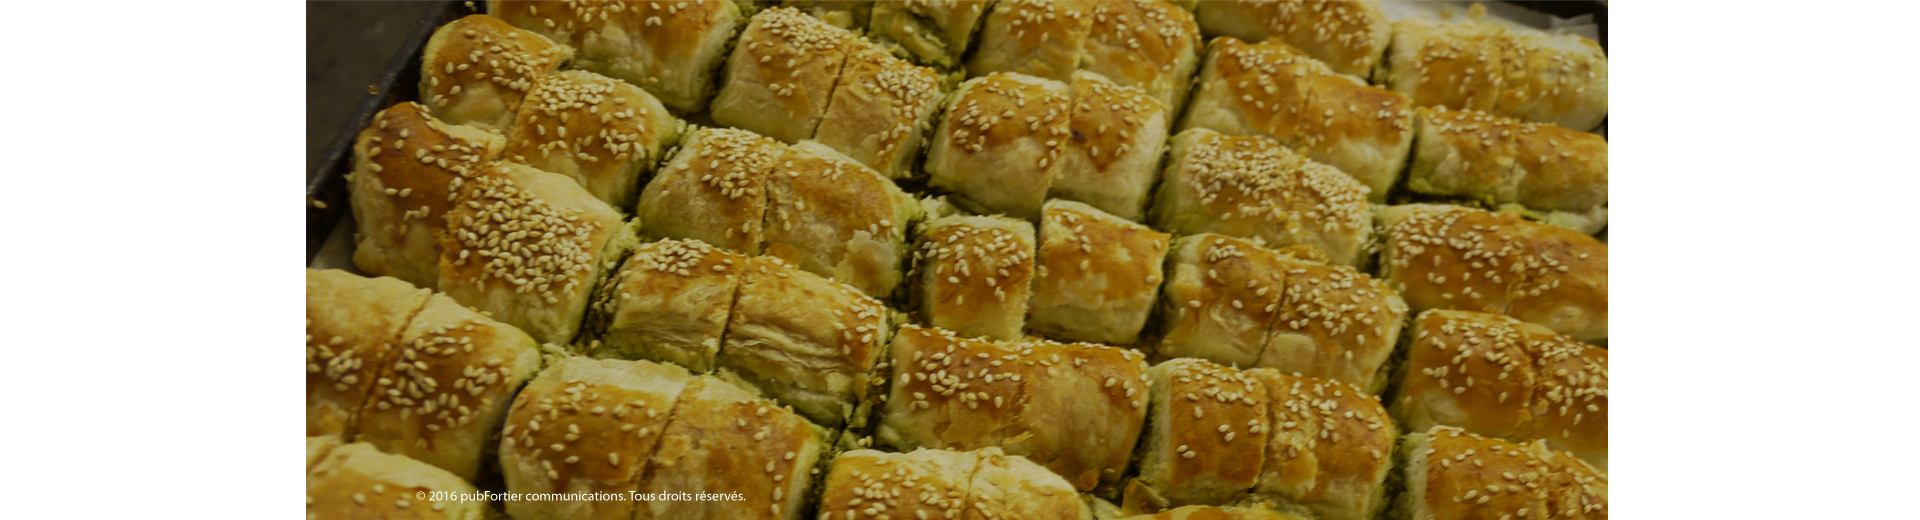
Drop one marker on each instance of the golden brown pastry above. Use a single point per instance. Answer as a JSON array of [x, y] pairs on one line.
[[319, 446], [1075, 408], [1255, 188], [1039, 38], [1519, 73], [809, 342], [358, 481], [602, 132], [721, 439], [671, 49], [781, 74], [1556, 175], [852, 15], [352, 325], [1151, 45], [1497, 376], [528, 247], [1445, 64], [974, 275], [881, 110], [1452, 474], [670, 303], [586, 426], [1559, 79], [1207, 432], [713, 190], [1449, 257], [1097, 275], [1336, 323], [1349, 35], [981, 484], [476, 70], [999, 146], [1220, 298], [405, 163], [1273, 90], [447, 386], [932, 32], [833, 217], [1330, 448], [1112, 159]]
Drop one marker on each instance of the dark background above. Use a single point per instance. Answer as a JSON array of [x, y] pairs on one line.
[[347, 45]]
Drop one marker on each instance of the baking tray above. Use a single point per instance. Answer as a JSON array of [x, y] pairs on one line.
[[327, 205]]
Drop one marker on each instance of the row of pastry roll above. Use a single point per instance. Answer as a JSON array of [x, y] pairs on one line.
[[1479, 65], [1451, 257]]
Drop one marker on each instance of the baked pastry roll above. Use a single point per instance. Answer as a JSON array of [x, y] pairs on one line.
[[1151, 45], [852, 15], [352, 324], [1270, 89], [405, 163], [721, 439], [1330, 448], [1098, 275], [808, 341], [933, 32], [446, 388], [974, 275], [1040, 38], [713, 190], [476, 70], [1445, 64], [1348, 35], [1449, 257], [358, 481], [318, 446], [1113, 155], [1075, 408], [528, 247], [1207, 432], [1556, 175], [1216, 513], [1497, 376], [781, 74], [1334, 322], [586, 426], [671, 49], [1255, 188], [835, 218], [945, 484], [1559, 79], [880, 110], [670, 303], [1452, 474], [1220, 298], [998, 148], [602, 132]]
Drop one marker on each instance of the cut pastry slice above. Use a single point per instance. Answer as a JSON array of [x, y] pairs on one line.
[[1348, 35], [881, 110], [998, 148], [1450, 257], [476, 70], [722, 439], [671, 49], [602, 132], [839, 219], [781, 74], [1255, 188], [807, 341], [352, 324], [1098, 275], [670, 303], [974, 275], [1040, 38], [586, 426], [405, 165], [713, 190], [1112, 159]]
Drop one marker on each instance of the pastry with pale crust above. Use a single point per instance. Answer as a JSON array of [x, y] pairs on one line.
[[1151, 45], [946, 484], [932, 32], [721, 439], [1452, 474], [1330, 449], [807, 341], [1254, 188], [1206, 432], [669, 302], [835, 218]]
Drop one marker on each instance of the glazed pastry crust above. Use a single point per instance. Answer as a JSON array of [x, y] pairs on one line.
[[1449, 257], [446, 390], [722, 439], [1219, 300], [1501, 162], [1556, 79], [1445, 64], [930, 32], [842, 220], [1330, 449], [1446, 463], [1040, 38], [602, 132], [1112, 158], [670, 303], [1348, 35], [358, 481], [352, 324], [1334, 323], [713, 190], [671, 49], [1151, 45], [881, 110], [1098, 275], [529, 247], [400, 188], [929, 483], [1254, 188], [476, 70], [555, 442], [998, 147], [1207, 436], [781, 75], [974, 275], [806, 340]]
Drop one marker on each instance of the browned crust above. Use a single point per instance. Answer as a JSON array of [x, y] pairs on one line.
[[1472, 477], [1142, 43], [1105, 119], [1559, 79], [934, 483], [719, 436], [1349, 35], [600, 131], [491, 243], [956, 385], [587, 426], [1220, 275], [1331, 445], [1077, 244], [1078, 448], [352, 323], [1446, 257], [833, 203], [1035, 37], [405, 164], [969, 267], [1351, 319], [713, 190], [1228, 436], [480, 56], [1000, 109], [1450, 64], [879, 109], [790, 57]]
